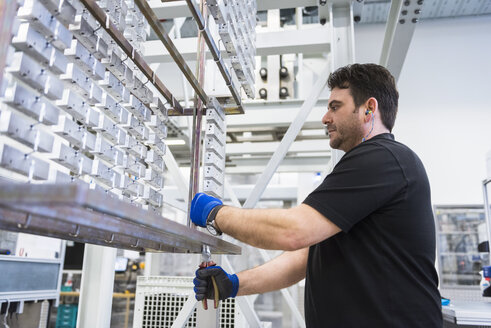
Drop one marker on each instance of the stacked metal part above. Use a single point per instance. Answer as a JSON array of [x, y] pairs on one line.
[[214, 155], [236, 21], [75, 108]]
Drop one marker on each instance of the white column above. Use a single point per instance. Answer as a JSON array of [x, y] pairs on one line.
[[96, 291], [152, 264]]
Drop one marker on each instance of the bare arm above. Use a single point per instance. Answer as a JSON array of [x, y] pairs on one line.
[[281, 272], [285, 229]]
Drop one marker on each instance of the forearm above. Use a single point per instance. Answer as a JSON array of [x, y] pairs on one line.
[[263, 228], [281, 272]]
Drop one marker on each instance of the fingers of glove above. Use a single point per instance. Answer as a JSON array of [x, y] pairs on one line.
[[209, 271], [200, 282], [200, 290], [199, 297]]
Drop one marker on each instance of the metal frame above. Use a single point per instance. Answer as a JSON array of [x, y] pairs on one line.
[[215, 53], [173, 9], [78, 213], [400, 27], [171, 48], [179, 60], [288, 139], [313, 40]]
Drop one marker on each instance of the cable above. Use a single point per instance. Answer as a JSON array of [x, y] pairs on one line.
[[365, 138]]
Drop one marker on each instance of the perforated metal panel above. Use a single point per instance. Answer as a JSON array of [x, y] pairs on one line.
[[160, 310], [160, 299]]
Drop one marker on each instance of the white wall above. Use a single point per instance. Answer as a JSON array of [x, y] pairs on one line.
[[445, 104]]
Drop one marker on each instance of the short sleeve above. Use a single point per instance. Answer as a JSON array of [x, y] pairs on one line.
[[366, 178]]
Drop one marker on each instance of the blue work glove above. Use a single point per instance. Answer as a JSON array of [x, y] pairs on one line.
[[201, 207], [228, 285]]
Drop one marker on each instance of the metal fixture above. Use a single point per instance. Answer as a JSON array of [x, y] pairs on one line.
[[263, 93], [263, 73], [283, 72], [284, 92]]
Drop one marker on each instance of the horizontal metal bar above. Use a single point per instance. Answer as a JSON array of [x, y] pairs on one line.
[[215, 53], [75, 212], [173, 9], [171, 48], [101, 16]]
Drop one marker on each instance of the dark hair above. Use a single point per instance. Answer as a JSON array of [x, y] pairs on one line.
[[369, 80]]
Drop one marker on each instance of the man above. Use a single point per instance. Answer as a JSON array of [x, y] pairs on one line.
[[364, 239]]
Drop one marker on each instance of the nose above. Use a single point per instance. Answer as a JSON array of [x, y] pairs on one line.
[[327, 118]]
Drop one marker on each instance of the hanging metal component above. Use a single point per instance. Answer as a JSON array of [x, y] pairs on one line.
[[100, 15], [197, 120]]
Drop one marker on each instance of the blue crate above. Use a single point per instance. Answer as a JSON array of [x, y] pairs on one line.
[[67, 316]]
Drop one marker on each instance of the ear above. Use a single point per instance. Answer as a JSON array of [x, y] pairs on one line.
[[371, 108]]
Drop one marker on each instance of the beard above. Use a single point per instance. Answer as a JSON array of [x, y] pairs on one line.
[[345, 136]]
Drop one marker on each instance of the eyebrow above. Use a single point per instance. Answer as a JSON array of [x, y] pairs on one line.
[[334, 102]]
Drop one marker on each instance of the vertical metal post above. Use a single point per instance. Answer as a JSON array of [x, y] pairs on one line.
[[7, 16], [60, 272], [487, 210], [96, 290], [273, 61], [298, 76], [342, 46], [152, 264], [197, 117], [206, 318]]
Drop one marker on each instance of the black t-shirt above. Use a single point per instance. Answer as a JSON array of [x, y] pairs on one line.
[[379, 270]]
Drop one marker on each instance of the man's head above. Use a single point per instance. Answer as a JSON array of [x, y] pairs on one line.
[[363, 103]]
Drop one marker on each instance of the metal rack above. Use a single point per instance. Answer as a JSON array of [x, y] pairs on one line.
[[458, 238], [78, 213]]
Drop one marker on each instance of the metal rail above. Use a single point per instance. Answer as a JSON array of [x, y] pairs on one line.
[[217, 57], [101, 16], [75, 212]]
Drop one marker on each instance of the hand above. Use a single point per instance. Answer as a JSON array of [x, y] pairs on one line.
[[228, 285], [201, 207]]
